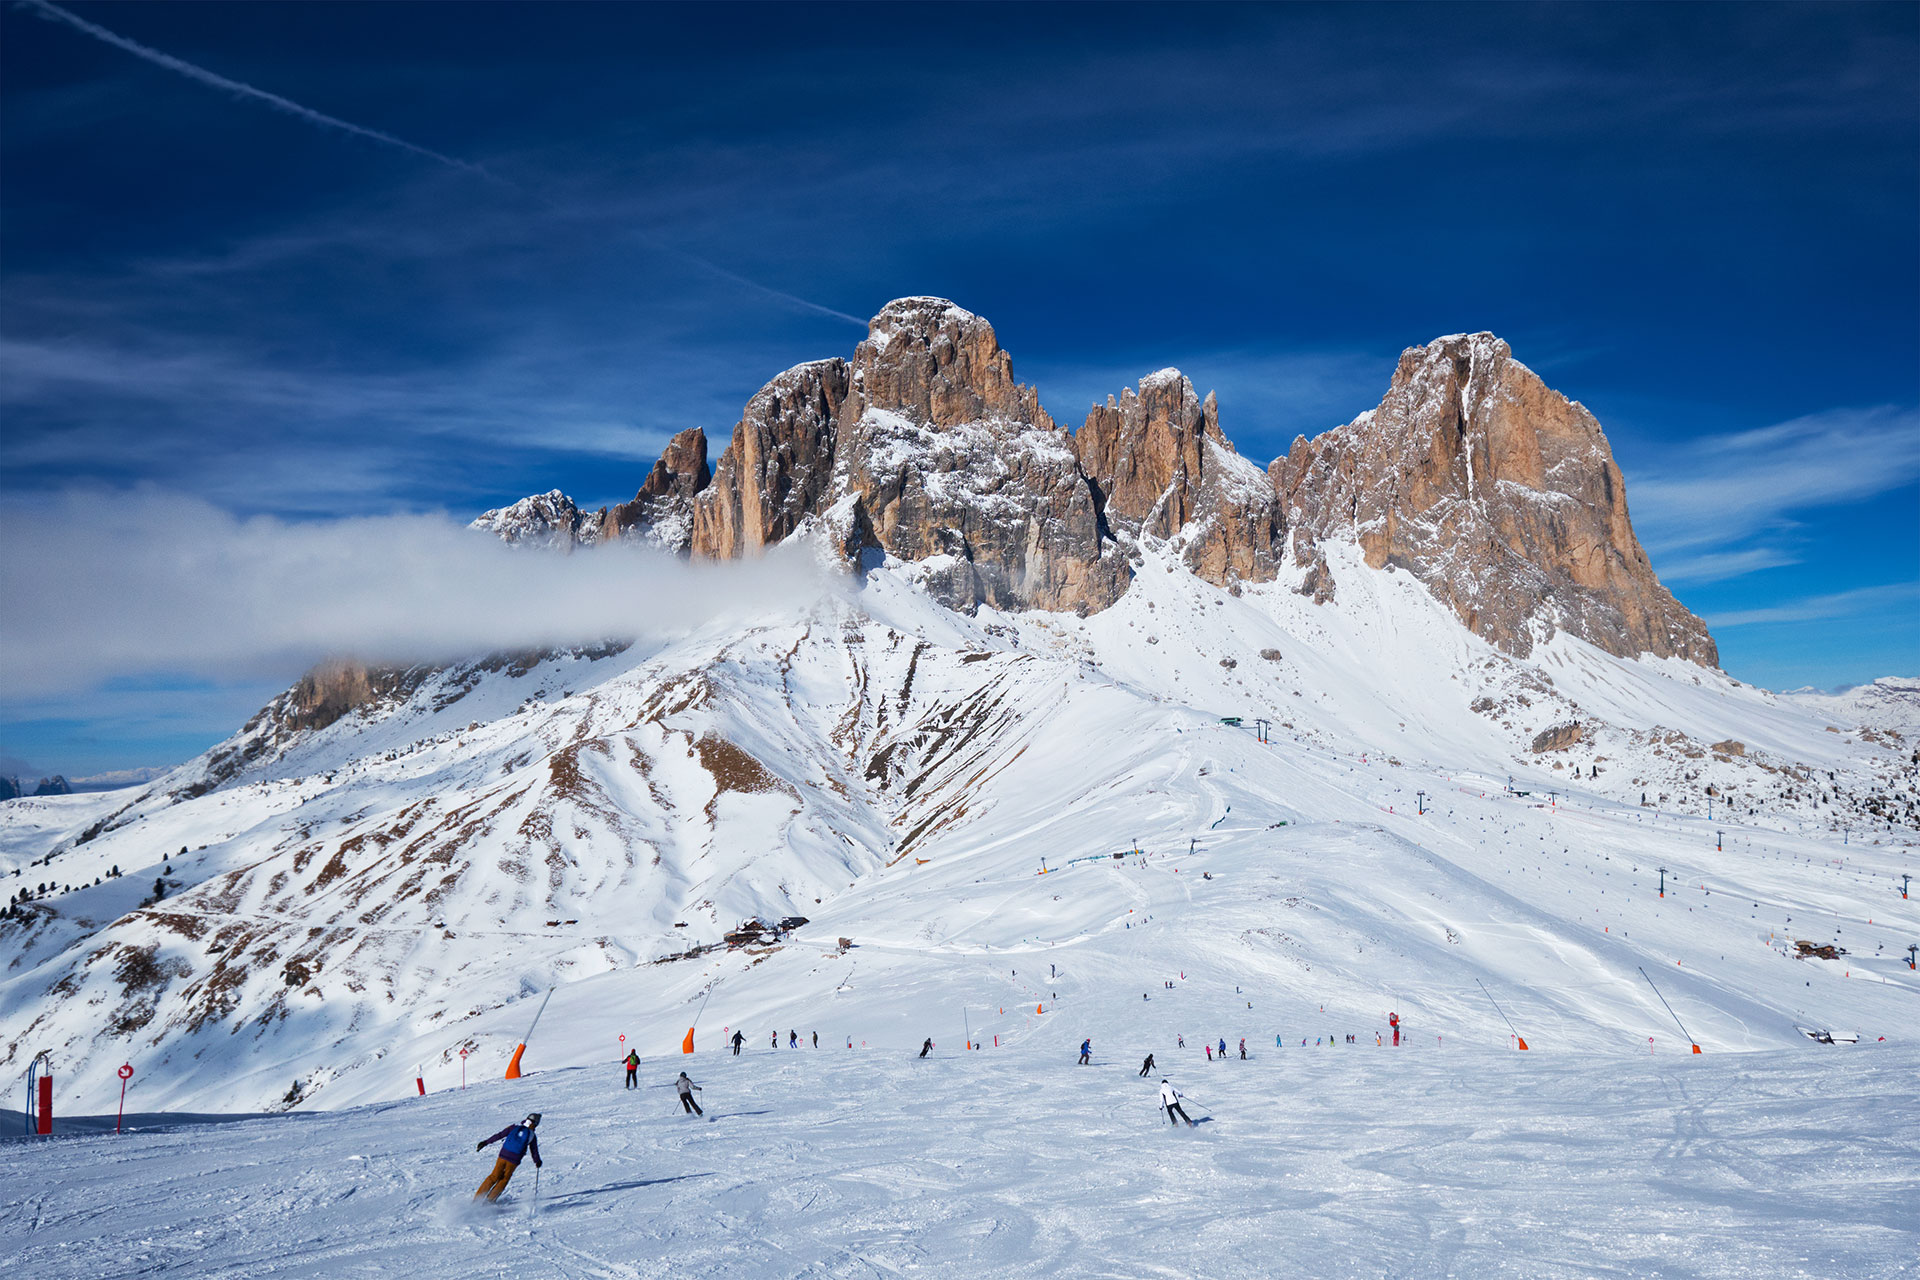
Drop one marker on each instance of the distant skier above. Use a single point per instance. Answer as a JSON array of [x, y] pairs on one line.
[[516, 1142], [793, 1039], [738, 1040], [1170, 1101], [687, 1089], [816, 1039], [1146, 1068], [1182, 1040], [1223, 1046], [1243, 1048], [1086, 1052], [1209, 1049], [632, 1065], [773, 1040], [927, 1048]]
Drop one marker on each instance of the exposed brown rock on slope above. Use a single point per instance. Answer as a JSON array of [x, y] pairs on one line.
[[950, 457], [1159, 462], [778, 467], [1498, 493], [664, 506]]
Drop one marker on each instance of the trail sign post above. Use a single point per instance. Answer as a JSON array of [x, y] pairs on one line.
[[126, 1074], [463, 1070]]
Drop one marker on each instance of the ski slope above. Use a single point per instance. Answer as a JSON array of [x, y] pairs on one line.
[[362, 903], [1332, 1161]]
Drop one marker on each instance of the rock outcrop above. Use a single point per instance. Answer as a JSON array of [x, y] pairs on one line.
[[955, 464], [549, 520], [1500, 495], [1159, 464], [1496, 492], [778, 468], [662, 512]]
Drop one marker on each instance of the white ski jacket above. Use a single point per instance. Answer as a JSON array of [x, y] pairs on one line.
[[1169, 1096]]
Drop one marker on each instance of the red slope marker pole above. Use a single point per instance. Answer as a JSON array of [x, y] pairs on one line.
[[126, 1074]]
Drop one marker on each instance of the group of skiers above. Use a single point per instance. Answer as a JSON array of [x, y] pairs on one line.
[[773, 1040]]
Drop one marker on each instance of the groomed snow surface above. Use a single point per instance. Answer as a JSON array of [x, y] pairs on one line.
[[911, 770], [1332, 1161]]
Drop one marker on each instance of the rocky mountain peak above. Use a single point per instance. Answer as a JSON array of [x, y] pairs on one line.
[[1160, 464], [1500, 494], [662, 511], [542, 520], [938, 363]]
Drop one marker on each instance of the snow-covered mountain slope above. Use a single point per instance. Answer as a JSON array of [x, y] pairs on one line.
[[1331, 1161], [373, 896]]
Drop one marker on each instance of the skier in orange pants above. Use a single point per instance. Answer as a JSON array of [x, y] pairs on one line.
[[518, 1143]]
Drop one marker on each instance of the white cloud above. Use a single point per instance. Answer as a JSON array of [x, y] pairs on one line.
[[1718, 566], [118, 585], [1839, 604], [1720, 490]]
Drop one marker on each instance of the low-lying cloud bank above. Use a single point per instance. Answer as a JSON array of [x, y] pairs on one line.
[[112, 586]]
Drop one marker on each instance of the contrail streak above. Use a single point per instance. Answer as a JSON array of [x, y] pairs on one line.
[[54, 13]]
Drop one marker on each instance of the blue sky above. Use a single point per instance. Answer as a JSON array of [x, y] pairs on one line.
[[587, 227]]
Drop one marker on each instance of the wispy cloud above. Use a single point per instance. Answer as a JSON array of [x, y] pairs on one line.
[[1719, 566], [1726, 505], [1718, 489], [123, 585], [240, 89], [1840, 604], [54, 13]]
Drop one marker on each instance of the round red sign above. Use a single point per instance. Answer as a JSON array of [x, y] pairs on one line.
[[126, 1071]]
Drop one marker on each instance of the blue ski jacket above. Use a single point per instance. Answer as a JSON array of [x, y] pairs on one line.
[[520, 1141]]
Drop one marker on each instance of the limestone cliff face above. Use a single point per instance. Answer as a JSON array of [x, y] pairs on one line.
[[662, 512], [778, 468], [955, 463], [1500, 494], [1161, 466]]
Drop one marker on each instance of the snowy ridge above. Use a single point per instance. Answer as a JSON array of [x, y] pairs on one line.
[[389, 889]]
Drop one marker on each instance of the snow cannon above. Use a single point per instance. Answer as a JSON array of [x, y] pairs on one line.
[[513, 1065]]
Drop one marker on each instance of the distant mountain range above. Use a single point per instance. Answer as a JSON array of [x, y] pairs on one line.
[[1051, 645]]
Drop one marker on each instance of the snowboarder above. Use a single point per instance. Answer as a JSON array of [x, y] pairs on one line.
[[738, 1039], [1170, 1102], [1146, 1068], [687, 1089], [516, 1142], [927, 1048], [632, 1064], [1086, 1052]]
